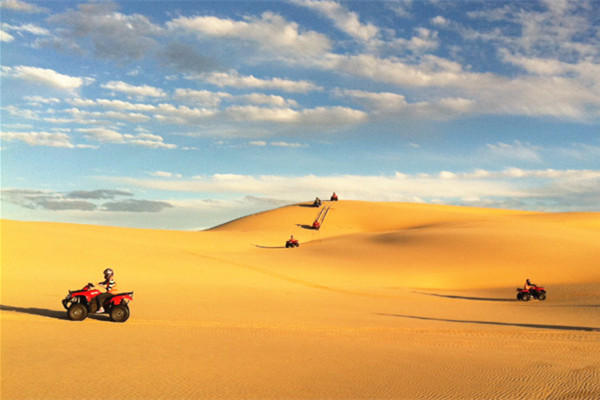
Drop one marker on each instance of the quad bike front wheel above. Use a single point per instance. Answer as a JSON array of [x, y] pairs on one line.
[[542, 296], [119, 313], [77, 312]]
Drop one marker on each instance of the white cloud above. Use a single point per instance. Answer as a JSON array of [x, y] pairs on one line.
[[439, 20], [165, 174], [258, 143], [6, 37], [288, 144], [124, 105], [324, 116], [39, 100], [22, 113], [182, 115], [26, 28], [233, 79], [401, 8], [344, 19], [105, 135], [266, 99], [48, 139], [46, 77], [270, 32], [22, 6], [202, 97], [131, 90]]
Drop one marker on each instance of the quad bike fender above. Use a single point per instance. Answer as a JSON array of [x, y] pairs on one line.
[[121, 298]]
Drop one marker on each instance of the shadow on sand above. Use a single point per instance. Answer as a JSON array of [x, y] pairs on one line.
[[269, 247], [522, 325], [467, 297], [44, 312], [304, 226]]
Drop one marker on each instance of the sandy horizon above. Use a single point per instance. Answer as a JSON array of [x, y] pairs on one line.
[[385, 301]]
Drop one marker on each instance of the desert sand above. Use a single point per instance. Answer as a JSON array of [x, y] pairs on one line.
[[385, 301]]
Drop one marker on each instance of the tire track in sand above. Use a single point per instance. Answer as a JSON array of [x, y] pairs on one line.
[[291, 279]]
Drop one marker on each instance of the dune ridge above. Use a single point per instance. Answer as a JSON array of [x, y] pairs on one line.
[[386, 301]]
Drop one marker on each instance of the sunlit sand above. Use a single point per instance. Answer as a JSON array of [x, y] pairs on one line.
[[385, 301]]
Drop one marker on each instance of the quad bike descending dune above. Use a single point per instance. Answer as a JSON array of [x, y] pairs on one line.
[[320, 218], [291, 242], [536, 292], [80, 303]]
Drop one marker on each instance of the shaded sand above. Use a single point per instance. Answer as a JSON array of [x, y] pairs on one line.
[[386, 301]]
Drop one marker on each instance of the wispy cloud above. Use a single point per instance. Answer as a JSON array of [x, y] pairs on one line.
[[514, 151], [235, 80], [135, 91], [81, 200], [499, 188], [22, 6]]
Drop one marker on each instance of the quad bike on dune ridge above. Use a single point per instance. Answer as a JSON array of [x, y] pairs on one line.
[[80, 303], [535, 291]]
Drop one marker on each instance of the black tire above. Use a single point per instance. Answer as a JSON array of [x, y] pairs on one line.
[[77, 312], [93, 307], [542, 296], [119, 313], [525, 296]]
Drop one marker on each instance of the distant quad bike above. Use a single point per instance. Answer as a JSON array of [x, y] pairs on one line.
[[292, 243], [80, 303], [536, 292]]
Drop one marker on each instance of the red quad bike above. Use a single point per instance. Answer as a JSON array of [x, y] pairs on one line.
[[292, 243], [537, 292], [80, 303]]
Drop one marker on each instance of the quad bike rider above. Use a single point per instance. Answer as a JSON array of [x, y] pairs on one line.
[[530, 290], [317, 202], [334, 197], [90, 299], [316, 225], [291, 242]]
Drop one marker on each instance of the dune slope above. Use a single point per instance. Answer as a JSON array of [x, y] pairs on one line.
[[386, 300]]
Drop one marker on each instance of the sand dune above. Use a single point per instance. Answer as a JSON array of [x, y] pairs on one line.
[[386, 301]]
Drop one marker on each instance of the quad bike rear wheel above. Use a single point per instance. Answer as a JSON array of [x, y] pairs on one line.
[[119, 313], [77, 312], [524, 296]]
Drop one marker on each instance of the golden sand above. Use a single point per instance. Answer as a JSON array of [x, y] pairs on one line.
[[385, 301]]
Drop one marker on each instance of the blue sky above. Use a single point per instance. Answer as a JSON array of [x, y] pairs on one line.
[[187, 114]]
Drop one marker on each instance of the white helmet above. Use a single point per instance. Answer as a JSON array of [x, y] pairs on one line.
[[108, 273]]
